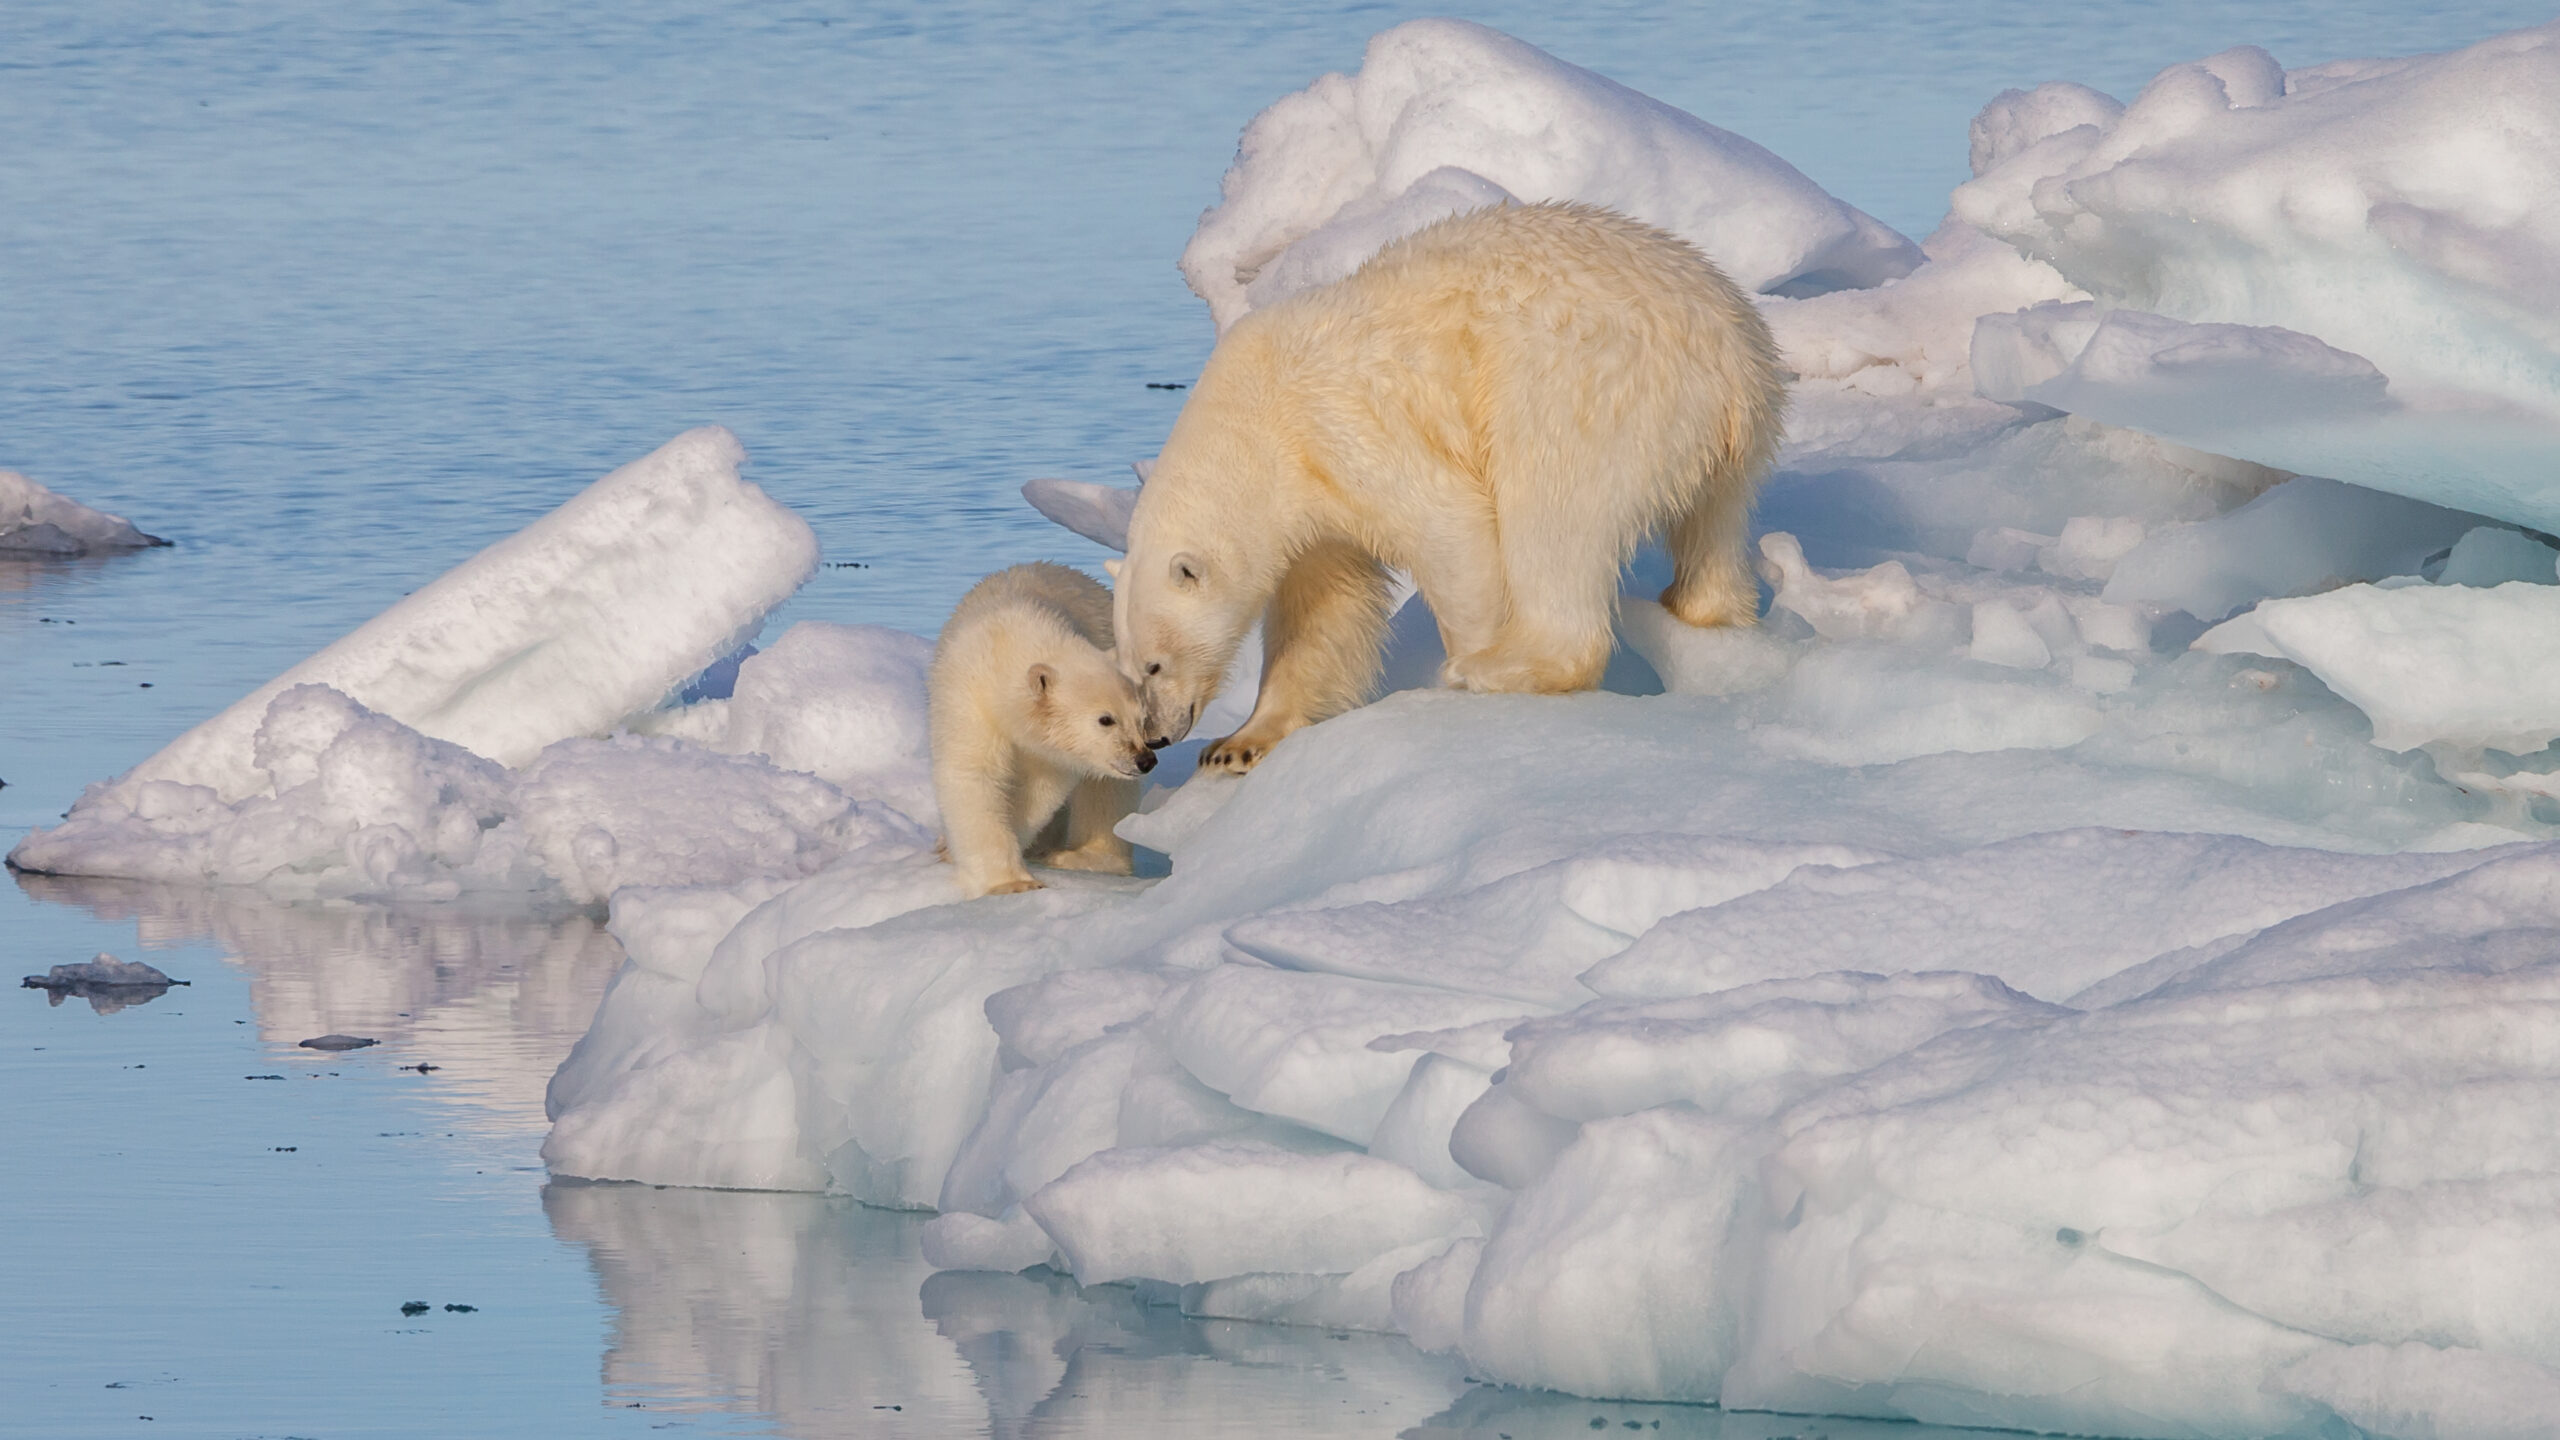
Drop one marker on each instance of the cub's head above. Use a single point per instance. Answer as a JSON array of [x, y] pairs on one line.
[[1086, 710], [1178, 618]]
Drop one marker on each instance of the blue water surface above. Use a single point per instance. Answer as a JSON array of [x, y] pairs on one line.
[[333, 295]]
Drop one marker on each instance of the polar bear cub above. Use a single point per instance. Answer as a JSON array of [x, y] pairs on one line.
[[1502, 404], [1031, 718]]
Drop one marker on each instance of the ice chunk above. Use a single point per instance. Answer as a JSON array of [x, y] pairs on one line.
[[593, 613], [2049, 914], [2493, 555], [2394, 212], [36, 521], [2017, 119], [1880, 603], [2429, 665], [2305, 534], [845, 703], [1099, 513], [1446, 115], [1914, 334]]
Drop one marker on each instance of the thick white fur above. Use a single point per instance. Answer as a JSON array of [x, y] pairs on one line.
[[1504, 403], [1030, 716]]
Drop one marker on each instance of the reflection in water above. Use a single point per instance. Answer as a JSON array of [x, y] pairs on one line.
[[807, 1308], [807, 1314], [494, 1000], [821, 1314]]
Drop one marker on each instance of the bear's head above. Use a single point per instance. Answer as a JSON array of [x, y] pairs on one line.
[[1083, 709], [1179, 619]]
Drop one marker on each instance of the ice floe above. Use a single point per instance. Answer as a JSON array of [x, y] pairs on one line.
[[34, 521]]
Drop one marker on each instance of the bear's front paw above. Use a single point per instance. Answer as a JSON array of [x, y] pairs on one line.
[[1014, 887], [1235, 755]]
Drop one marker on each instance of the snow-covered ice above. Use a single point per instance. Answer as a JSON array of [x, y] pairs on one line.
[[2346, 270], [36, 521], [1446, 116], [1958, 999], [590, 615]]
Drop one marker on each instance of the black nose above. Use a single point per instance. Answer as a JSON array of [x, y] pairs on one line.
[[1158, 743], [1146, 761]]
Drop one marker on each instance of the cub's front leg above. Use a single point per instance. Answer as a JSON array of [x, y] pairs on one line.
[[976, 795]]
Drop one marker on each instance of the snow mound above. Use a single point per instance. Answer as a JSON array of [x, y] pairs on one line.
[[1447, 116], [36, 521], [845, 703], [592, 614], [2451, 665], [2275, 248]]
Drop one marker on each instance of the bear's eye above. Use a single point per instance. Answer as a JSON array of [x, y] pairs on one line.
[[1107, 720], [1155, 667]]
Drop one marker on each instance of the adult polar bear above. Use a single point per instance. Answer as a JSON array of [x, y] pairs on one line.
[[1504, 404]]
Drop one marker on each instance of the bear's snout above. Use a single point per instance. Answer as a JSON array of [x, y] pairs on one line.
[[1158, 743], [1146, 760]]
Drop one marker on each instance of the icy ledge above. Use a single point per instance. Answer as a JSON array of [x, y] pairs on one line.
[[1630, 1046]]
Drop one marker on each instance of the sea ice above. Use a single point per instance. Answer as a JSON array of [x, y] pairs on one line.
[[36, 521], [2322, 233], [590, 615]]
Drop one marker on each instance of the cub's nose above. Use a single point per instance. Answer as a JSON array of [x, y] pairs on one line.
[[1146, 761], [1158, 743]]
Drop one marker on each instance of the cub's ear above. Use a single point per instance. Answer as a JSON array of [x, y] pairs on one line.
[[1186, 570], [1042, 677], [1112, 569]]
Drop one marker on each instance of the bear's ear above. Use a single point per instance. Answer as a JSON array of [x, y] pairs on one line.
[[1112, 569], [1042, 677], [1186, 570]]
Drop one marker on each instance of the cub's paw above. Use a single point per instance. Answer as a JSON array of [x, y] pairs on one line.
[[1097, 860], [1014, 887]]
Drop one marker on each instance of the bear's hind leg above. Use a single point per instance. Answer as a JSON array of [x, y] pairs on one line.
[[1560, 562], [1321, 642], [1711, 579]]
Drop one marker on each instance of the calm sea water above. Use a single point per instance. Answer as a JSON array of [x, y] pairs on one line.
[[334, 295]]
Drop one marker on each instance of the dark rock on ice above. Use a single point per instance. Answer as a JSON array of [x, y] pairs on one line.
[[338, 1042]]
